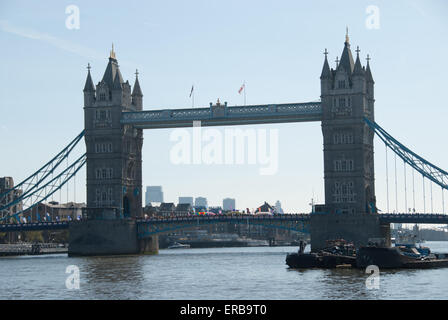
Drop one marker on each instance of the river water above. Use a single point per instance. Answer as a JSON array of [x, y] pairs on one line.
[[218, 273]]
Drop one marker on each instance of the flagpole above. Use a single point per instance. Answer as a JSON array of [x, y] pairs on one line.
[[244, 92]]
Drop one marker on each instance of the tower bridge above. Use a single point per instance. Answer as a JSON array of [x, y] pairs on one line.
[[113, 134]]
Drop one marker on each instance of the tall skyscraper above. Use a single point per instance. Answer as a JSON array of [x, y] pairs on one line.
[[200, 202], [188, 200], [228, 204], [154, 194], [278, 207]]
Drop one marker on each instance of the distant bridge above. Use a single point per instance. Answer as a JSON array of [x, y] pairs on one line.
[[294, 222]]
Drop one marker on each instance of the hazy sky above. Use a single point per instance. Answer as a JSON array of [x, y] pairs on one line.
[[274, 46]]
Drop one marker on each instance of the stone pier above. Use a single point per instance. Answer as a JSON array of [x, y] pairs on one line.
[[353, 227], [108, 237]]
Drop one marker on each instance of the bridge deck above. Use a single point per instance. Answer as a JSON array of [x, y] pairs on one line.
[[33, 226], [223, 115], [426, 218]]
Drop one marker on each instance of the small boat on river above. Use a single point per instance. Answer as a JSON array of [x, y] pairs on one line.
[[177, 245]]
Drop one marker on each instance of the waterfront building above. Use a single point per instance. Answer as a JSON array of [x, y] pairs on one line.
[[184, 209], [167, 209], [154, 194], [54, 211], [7, 183], [228, 204], [266, 207], [150, 211], [188, 200], [216, 210], [200, 202], [278, 207]]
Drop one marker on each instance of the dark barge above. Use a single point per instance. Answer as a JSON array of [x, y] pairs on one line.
[[338, 253], [342, 254], [407, 257]]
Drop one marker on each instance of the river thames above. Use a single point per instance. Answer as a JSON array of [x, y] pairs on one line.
[[218, 273]]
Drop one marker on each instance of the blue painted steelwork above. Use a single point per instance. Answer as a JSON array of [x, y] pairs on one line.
[[223, 115], [295, 222], [427, 169], [49, 188], [35, 226], [426, 218], [30, 184]]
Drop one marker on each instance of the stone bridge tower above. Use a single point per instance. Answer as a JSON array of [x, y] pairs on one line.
[[114, 151], [347, 95]]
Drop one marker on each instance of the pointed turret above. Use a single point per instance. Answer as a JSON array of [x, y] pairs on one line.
[[358, 70], [346, 61], [137, 95], [112, 70], [326, 73], [369, 77], [137, 91], [89, 87], [117, 83], [89, 90]]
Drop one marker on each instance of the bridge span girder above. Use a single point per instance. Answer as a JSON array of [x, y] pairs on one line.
[[147, 228], [221, 115]]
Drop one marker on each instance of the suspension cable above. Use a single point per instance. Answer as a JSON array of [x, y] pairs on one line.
[[424, 196], [396, 186], [74, 189], [405, 189], [67, 183], [387, 182], [443, 202], [413, 189], [430, 187]]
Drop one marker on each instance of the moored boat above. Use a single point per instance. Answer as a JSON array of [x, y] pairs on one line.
[[178, 245], [337, 253], [400, 257]]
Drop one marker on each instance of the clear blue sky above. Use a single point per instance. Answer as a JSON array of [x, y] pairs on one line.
[[275, 46]]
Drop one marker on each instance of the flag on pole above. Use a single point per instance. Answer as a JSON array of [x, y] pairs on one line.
[[242, 88], [191, 92]]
